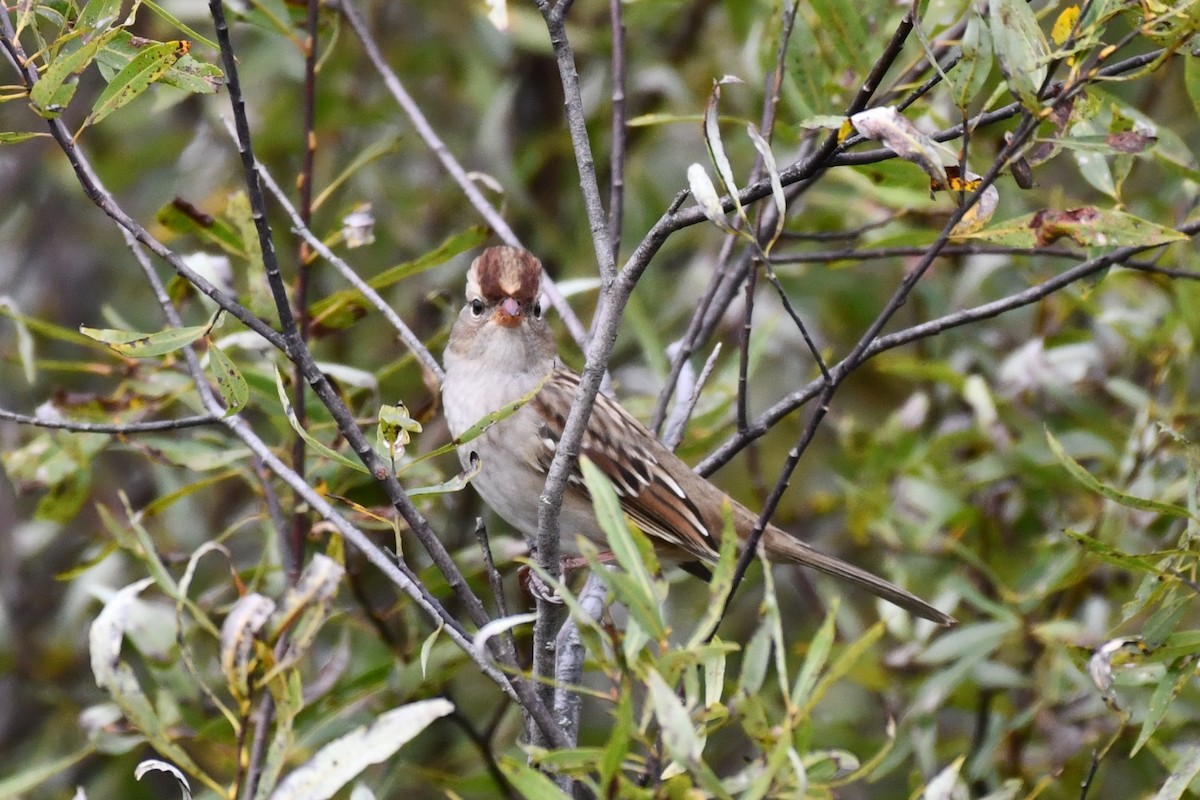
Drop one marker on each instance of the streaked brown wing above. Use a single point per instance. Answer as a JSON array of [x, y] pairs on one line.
[[627, 453]]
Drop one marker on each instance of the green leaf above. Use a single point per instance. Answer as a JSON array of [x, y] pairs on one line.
[[1191, 80], [289, 701], [1087, 226], [147, 67], [97, 13], [230, 382], [619, 741], [174, 21], [199, 454], [15, 137], [755, 660], [814, 660], [314, 443], [1169, 686], [1147, 563], [970, 76], [529, 782], [1086, 479], [51, 94], [24, 339], [982, 637], [180, 216], [721, 583], [1021, 49], [20, 784], [1185, 770], [259, 296], [145, 345], [637, 588], [678, 730], [186, 74], [427, 648], [454, 484], [477, 430]]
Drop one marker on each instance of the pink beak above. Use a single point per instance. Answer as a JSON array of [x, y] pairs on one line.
[[508, 313]]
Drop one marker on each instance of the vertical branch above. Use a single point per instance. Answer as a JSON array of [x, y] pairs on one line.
[[556, 26], [304, 264], [287, 320], [620, 135]]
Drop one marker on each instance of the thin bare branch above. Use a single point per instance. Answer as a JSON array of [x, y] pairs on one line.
[[677, 422], [620, 134], [475, 197], [121, 428], [556, 26], [410, 339]]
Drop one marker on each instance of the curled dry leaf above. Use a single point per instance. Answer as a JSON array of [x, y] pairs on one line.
[[889, 127], [706, 195], [246, 619], [1100, 665], [157, 765], [981, 212]]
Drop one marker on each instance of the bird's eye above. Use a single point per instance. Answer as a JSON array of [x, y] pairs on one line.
[[537, 309], [476, 307]]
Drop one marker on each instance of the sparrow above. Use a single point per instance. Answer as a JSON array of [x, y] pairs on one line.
[[501, 351]]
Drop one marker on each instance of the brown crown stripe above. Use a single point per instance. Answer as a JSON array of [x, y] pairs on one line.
[[508, 272]]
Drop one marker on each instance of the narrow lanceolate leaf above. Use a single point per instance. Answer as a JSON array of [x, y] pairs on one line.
[[1020, 48], [51, 94], [477, 430], [16, 137], [1088, 481], [721, 583], [716, 148], [24, 339], [764, 150], [976, 62], [678, 730], [147, 67], [641, 584], [135, 344], [1169, 686], [312, 441], [454, 484], [529, 782], [230, 382], [341, 761], [1186, 769], [814, 662]]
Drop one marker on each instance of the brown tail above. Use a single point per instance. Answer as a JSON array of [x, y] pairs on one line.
[[779, 544]]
